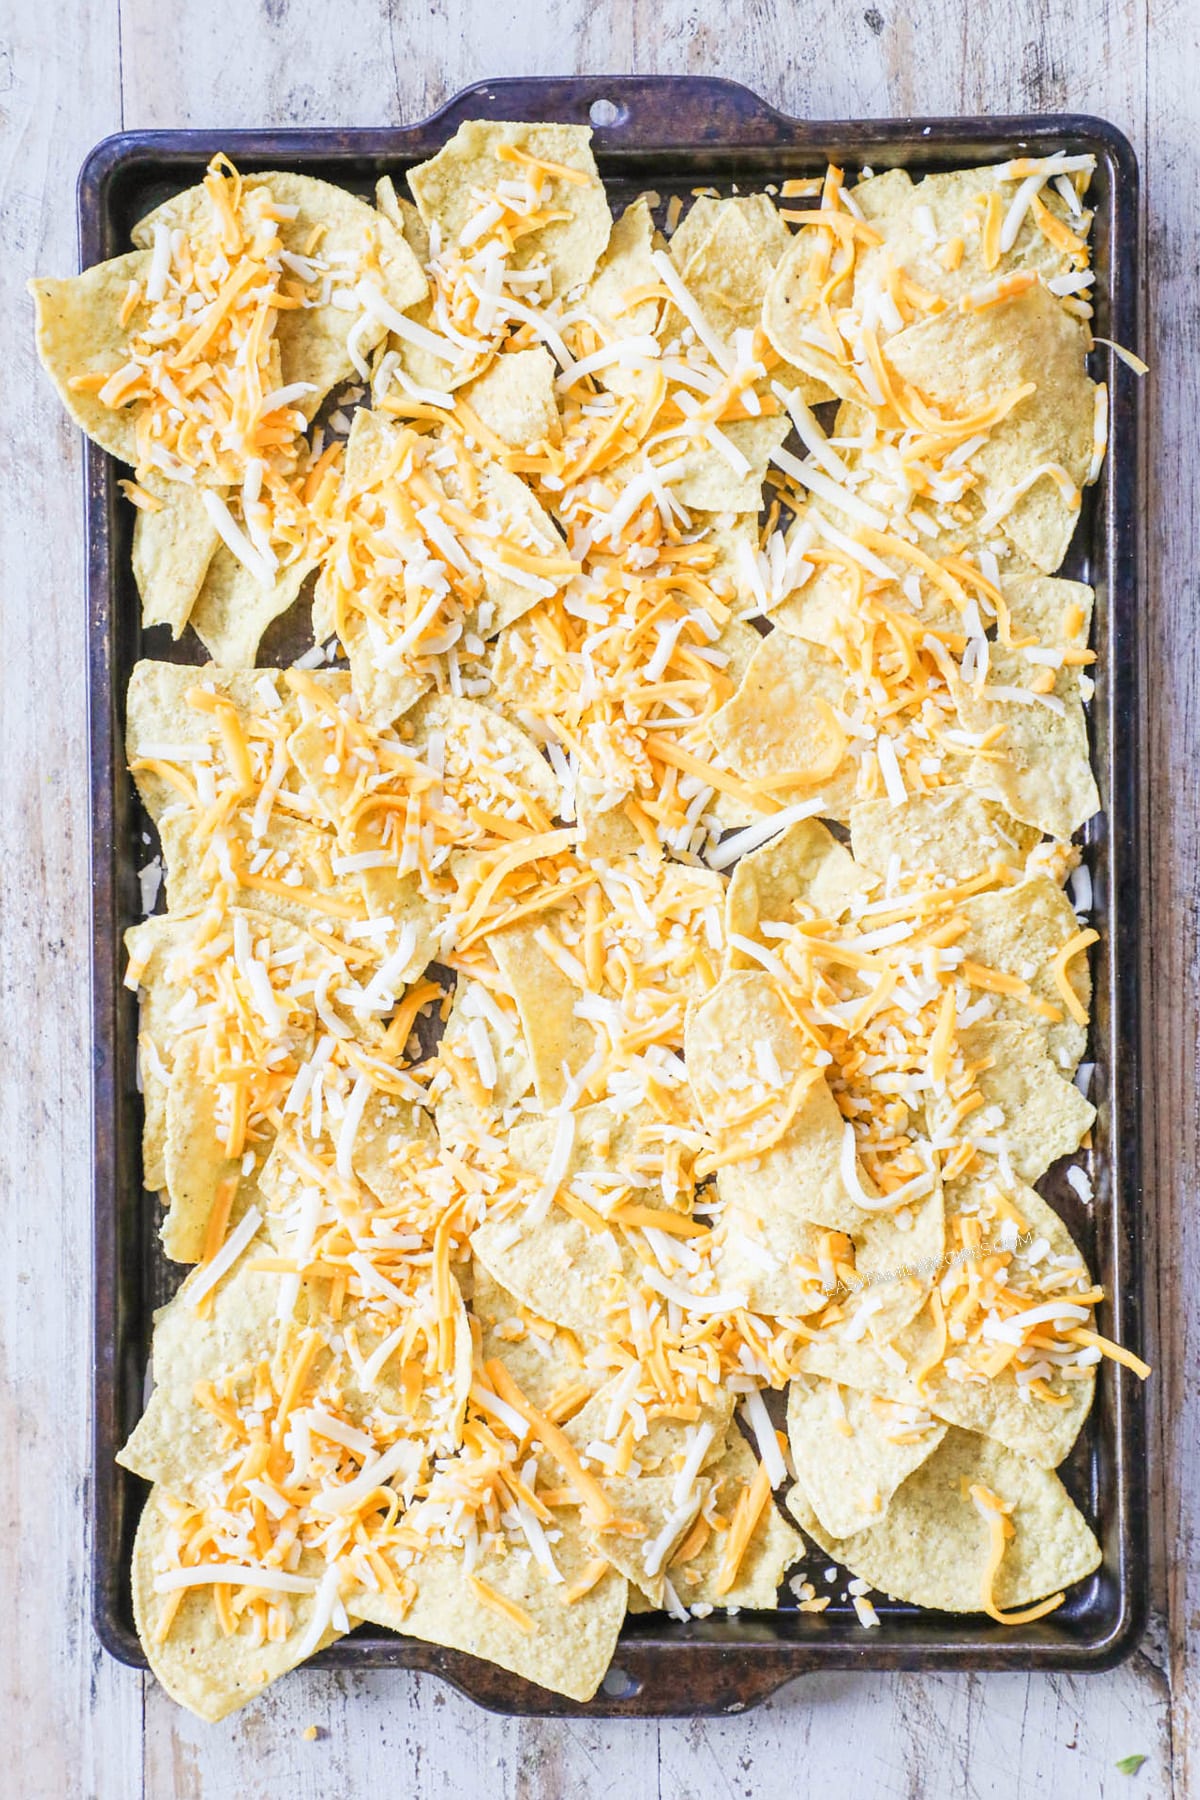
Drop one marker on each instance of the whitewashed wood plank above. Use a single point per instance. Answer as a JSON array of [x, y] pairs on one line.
[[70, 1719]]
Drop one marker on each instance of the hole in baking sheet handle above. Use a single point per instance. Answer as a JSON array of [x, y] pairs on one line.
[[604, 112]]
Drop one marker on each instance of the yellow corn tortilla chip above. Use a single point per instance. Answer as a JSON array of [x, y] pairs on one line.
[[444, 189], [804, 866], [899, 1255], [195, 1163], [953, 830], [791, 326], [192, 869], [312, 339], [625, 267], [661, 1450], [1039, 767], [725, 251], [570, 1646], [966, 361], [1018, 931], [852, 1450], [919, 219], [779, 723], [562, 1268], [931, 1547], [514, 398], [545, 1361], [798, 1178], [209, 1673], [172, 550], [233, 608], [1041, 1430], [78, 333], [647, 1501], [545, 999], [709, 483], [1029, 1108], [456, 1116], [773, 1547]]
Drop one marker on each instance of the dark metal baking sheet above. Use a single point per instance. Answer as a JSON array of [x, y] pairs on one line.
[[670, 134]]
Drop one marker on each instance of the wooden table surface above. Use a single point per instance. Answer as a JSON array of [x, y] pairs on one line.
[[72, 1722]]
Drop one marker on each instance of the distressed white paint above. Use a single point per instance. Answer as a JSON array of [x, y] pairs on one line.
[[72, 1723]]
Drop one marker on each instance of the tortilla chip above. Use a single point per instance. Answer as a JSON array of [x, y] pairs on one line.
[[157, 714], [1018, 930], [625, 267], [570, 1647], [899, 1255], [950, 203], [312, 339], [545, 1361], [172, 550], [725, 252], [209, 1673], [1040, 768], [953, 830], [515, 399], [78, 333], [458, 1120], [804, 866], [790, 323], [192, 869], [445, 187], [545, 997], [779, 723], [966, 361], [562, 1268], [852, 1451], [773, 1547], [1028, 1106], [931, 1547], [195, 1163], [709, 483], [233, 609]]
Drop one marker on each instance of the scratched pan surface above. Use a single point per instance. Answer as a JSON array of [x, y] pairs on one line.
[[669, 134]]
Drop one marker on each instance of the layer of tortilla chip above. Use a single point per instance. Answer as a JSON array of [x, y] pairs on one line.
[[1018, 930], [852, 1450], [385, 893], [157, 713], [778, 723], [514, 398], [1039, 768], [312, 339], [725, 251], [1039, 1429], [798, 1179], [664, 1446], [78, 332], [209, 1673], [444, 189], [172, 550], [953, 830], [804, 866], [1034, 1111], [949, 202], [192, 869], [545, 999], [931, 1547], [965, 361], [570, 1646]]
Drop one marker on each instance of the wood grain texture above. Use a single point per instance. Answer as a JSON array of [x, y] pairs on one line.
[[72, 1722]]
